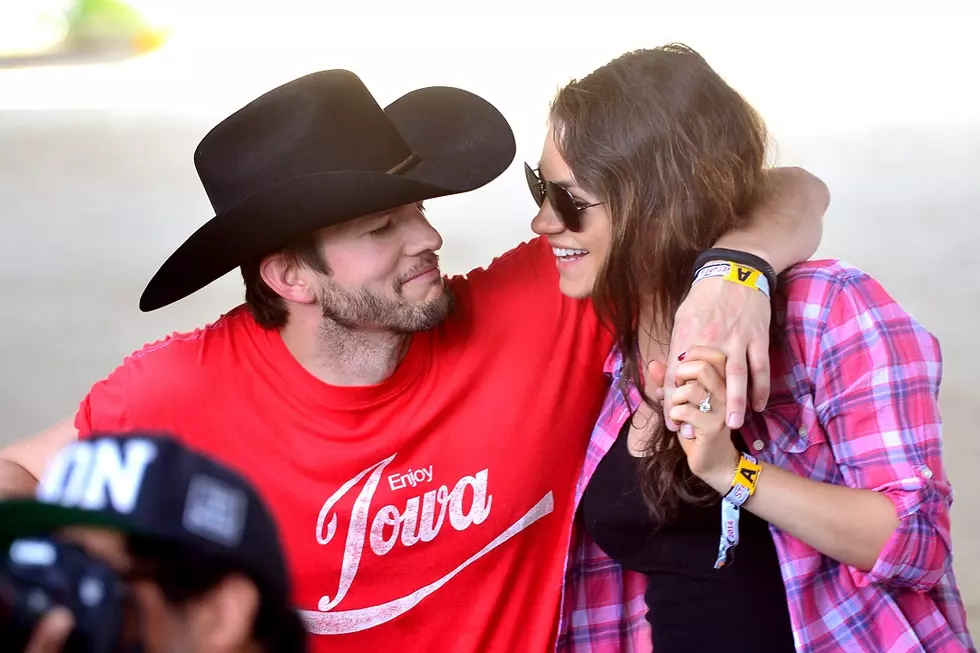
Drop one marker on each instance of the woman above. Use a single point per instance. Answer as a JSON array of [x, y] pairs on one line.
[[842, 538]]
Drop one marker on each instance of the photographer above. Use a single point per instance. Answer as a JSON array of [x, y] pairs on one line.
[[136, 544]]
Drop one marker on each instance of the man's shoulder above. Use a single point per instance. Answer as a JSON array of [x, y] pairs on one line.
[[516, 284], [158, 381], [183, 361], [530, 257], [192, 349], [516, 304]]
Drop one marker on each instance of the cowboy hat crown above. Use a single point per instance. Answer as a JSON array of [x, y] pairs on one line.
[[320, 150]]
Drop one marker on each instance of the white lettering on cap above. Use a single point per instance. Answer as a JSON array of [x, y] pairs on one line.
[[92, 475]]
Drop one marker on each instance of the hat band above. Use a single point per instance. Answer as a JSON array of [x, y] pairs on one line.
[[412, 159]]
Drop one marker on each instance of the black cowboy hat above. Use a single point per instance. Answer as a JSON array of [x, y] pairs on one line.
[[317, 151]]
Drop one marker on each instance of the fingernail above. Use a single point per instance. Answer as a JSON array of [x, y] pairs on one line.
[[733, 421], [759, 406], [681, 357], [687, 431], [671, 426]]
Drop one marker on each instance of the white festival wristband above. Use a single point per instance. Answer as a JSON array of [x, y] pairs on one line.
[[741, 274], [730, 509]]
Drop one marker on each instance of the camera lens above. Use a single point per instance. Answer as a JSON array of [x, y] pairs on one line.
[[16, 622], [7, 594]]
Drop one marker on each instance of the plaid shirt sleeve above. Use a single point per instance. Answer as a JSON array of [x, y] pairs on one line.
[[876, 377]]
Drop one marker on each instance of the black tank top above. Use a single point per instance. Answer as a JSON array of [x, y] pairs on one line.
[[691, 606]]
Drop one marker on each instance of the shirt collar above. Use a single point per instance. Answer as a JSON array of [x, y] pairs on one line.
[[614, 364]]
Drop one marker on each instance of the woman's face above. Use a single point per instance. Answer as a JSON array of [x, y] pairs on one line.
[[579, 255]]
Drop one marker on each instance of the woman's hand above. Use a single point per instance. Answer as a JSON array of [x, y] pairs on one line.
[[704, 435], [735, 319]]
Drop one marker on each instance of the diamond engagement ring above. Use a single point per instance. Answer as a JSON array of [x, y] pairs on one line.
[[705, 406]]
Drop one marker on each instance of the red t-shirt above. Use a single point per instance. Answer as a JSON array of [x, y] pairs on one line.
[[430, 512]]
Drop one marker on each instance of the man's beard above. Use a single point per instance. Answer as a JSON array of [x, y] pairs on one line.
[[362, 309]]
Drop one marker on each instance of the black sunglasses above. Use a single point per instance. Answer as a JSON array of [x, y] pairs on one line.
[[566, 207]]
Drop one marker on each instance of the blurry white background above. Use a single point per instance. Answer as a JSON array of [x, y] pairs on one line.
[[97, 184]]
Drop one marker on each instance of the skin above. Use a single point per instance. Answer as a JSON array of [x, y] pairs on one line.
[[348, 328], [784, 230], [219, 621], [849, 525], [375, 264], [352, 326]]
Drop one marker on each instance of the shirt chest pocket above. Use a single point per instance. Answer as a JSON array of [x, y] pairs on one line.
[[798, 442]]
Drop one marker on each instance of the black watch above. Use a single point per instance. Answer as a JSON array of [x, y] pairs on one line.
[[736, 256]]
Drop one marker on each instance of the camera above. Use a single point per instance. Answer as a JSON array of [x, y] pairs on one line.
[[37, 574]]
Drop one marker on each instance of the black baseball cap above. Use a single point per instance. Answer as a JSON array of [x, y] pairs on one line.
[[151, 485]]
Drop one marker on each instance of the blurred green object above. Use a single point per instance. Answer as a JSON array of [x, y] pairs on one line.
[[100, 25]]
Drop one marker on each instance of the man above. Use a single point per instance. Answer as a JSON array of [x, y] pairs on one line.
[[419, 439], [192, 543]]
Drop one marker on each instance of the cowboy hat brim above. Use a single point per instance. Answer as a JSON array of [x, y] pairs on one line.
[[462, 143]]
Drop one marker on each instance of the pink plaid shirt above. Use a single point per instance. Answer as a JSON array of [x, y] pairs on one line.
[[854, 402]]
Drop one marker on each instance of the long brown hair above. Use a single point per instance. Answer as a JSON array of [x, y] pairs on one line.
[[678, 157]]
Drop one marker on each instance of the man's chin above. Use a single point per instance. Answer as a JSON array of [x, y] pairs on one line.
[[431, 313], [362, 310], [418, 292]]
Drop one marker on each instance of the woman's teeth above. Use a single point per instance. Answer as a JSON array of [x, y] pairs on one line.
[[562, 252]]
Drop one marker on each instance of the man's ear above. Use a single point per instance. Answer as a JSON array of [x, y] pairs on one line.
[[288, 278], [223, 618]]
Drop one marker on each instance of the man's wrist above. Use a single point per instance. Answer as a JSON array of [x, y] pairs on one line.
[[743, 244], [738, 266]]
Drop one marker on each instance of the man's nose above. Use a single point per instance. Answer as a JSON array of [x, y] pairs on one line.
[[422, 236]]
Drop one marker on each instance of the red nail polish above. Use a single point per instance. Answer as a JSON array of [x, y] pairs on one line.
[[681, 357]]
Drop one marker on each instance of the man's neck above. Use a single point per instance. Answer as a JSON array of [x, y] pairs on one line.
[[345, 357]]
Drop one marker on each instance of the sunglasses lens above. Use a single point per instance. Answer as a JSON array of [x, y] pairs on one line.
[[564, 206], [559, 198], [534, 184]]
